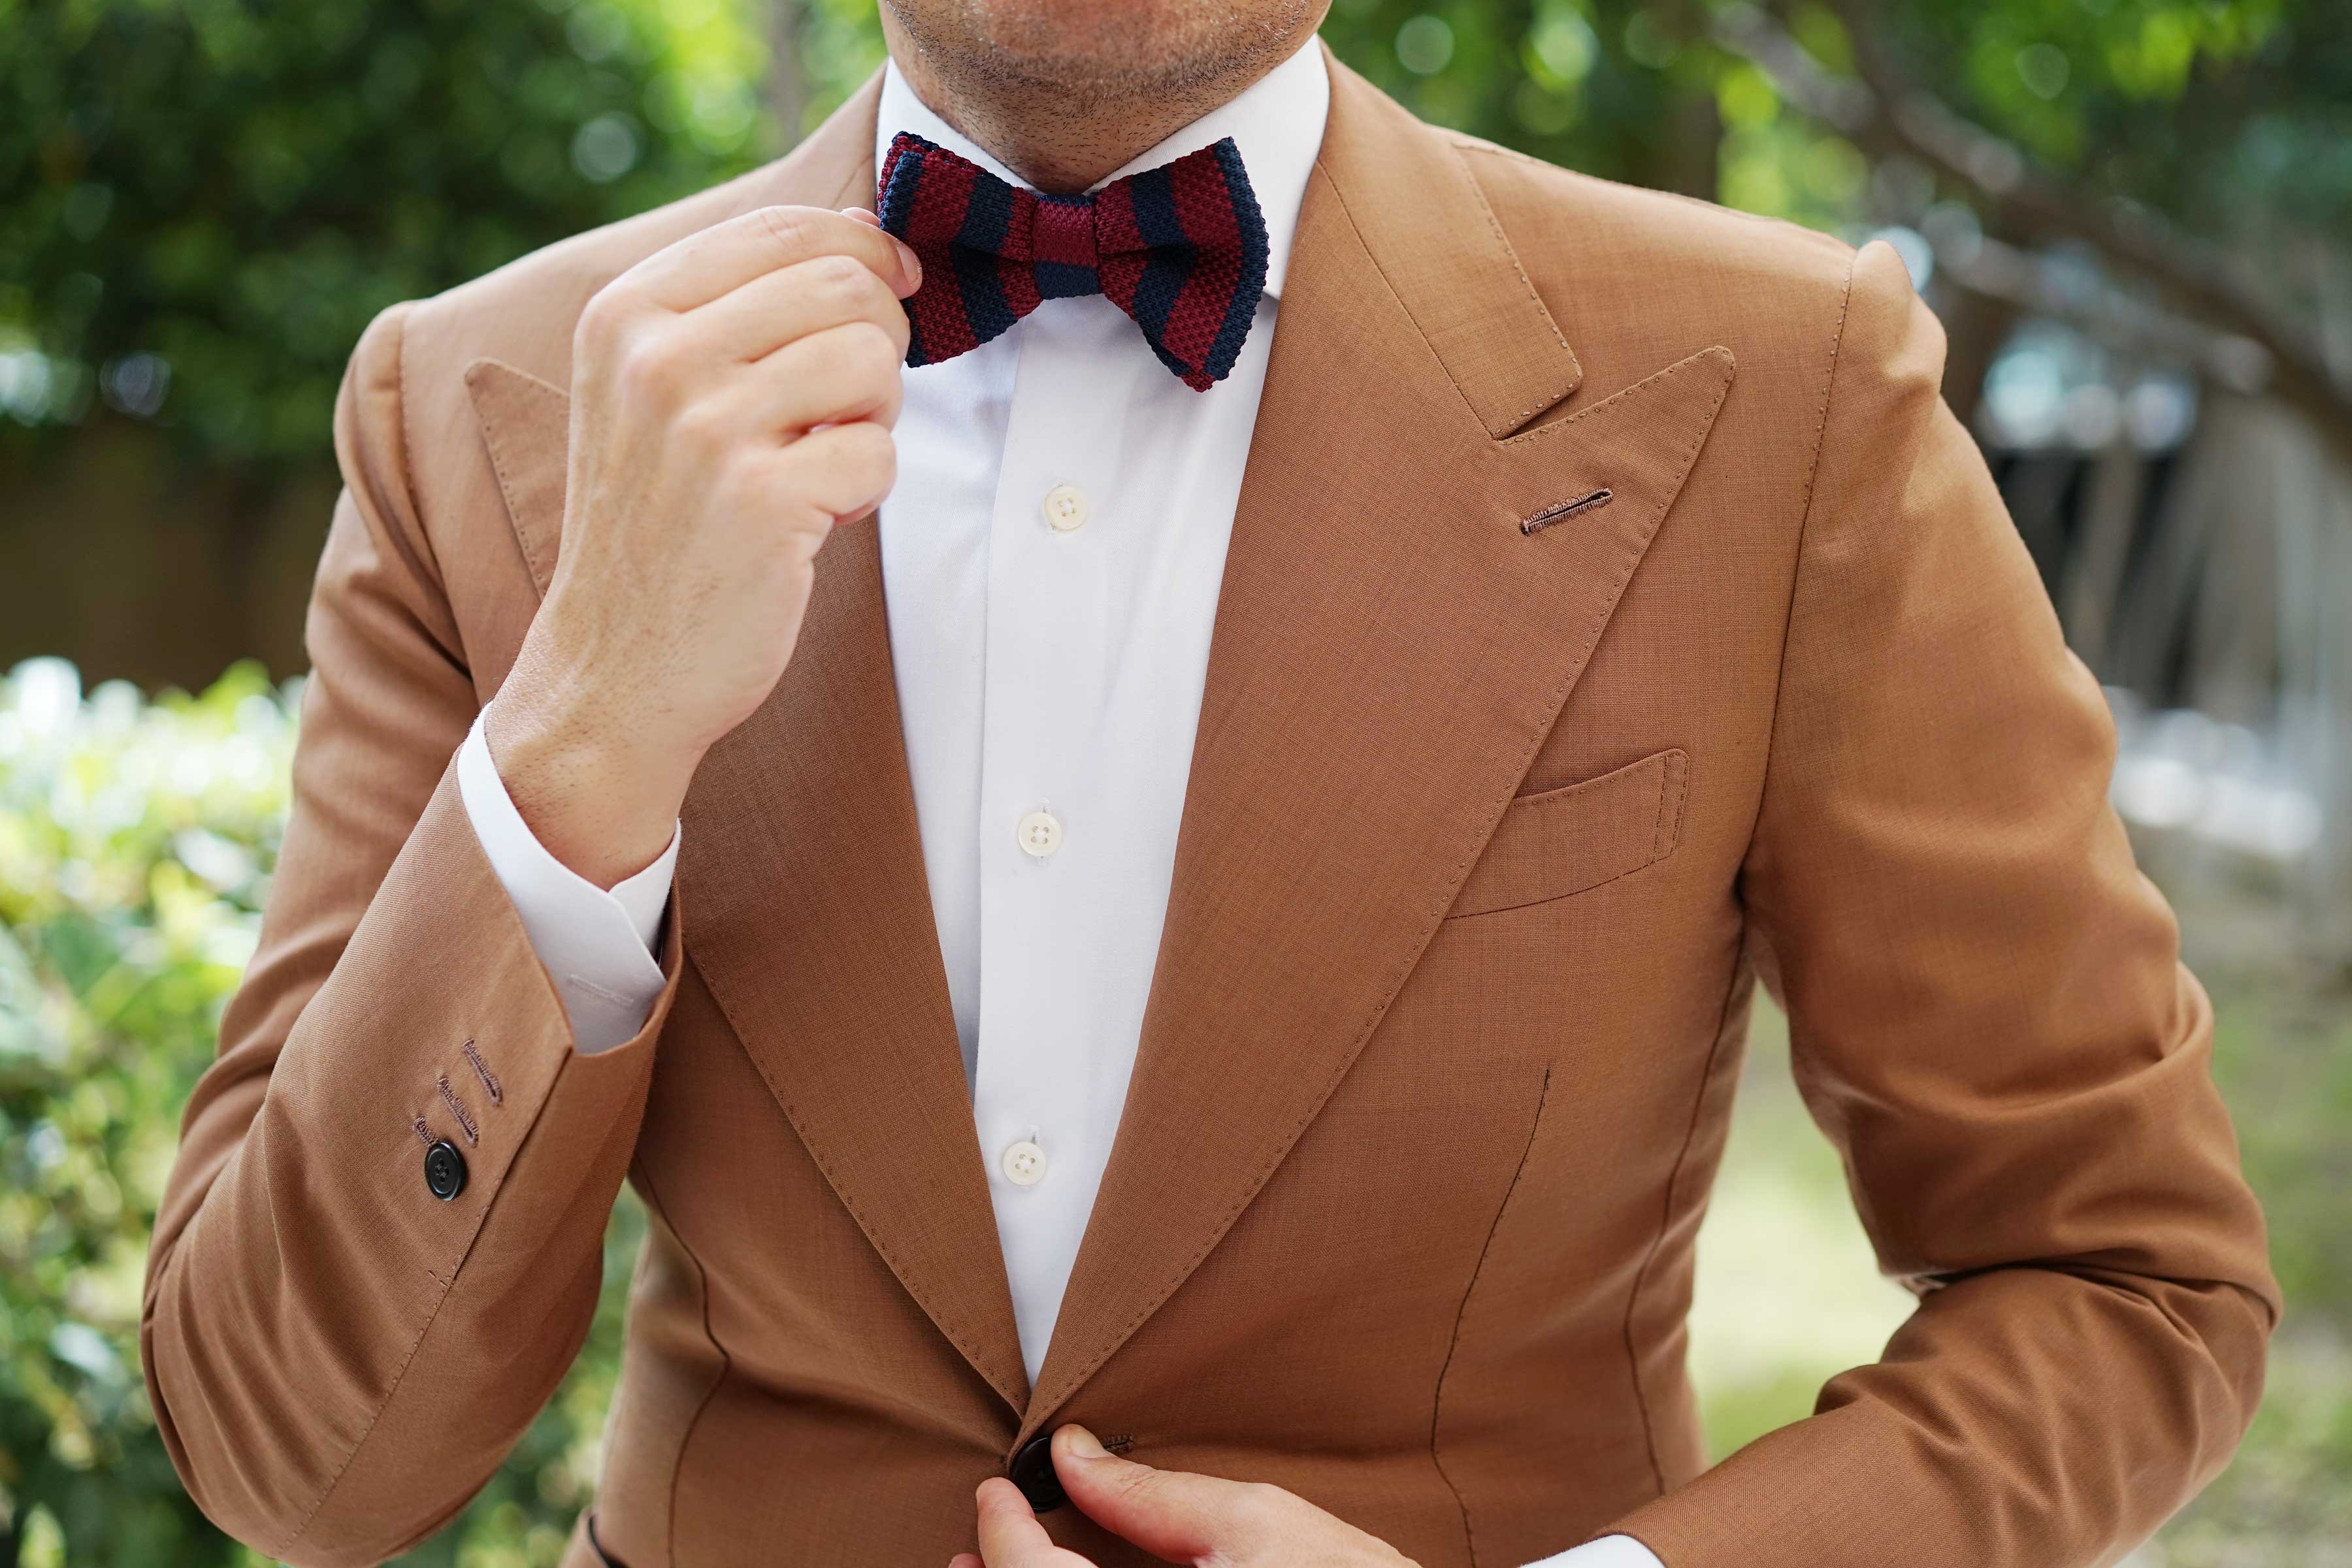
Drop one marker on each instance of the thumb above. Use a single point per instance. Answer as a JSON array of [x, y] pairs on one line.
[[908, 262], [1172, 1514]]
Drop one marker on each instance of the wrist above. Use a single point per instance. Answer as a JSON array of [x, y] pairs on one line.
[[602, 801]]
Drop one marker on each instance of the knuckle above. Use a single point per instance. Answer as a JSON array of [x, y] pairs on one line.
[[875, 301], [787, 227], [871, 351], [668, 383], [604, 318], [702, 426], [852, 363], [756, 468], [840, 276], [651, 365], [874, 456], [873, 447], [738, 483]]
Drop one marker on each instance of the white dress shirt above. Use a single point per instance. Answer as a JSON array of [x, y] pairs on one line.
[[1051, 557]]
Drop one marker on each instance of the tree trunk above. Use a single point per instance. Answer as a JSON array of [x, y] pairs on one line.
[[1975, 326], [2093, 581]]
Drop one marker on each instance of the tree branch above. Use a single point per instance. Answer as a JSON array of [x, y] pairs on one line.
[[1887, 115]]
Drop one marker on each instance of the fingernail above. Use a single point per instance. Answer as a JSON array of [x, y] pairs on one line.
[[865, 215], [1083, 1443], [910, 263]]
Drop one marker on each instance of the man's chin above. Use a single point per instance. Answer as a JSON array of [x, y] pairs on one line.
[[1099, 48]]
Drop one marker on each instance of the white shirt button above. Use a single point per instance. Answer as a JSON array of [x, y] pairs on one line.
[[1065, 508], [1040, 833], [1024, 1164]]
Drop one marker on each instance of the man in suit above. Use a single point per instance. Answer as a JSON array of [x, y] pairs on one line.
[[1174, 993]]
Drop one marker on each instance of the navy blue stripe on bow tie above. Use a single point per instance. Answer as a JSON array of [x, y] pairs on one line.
[[1182, 248]]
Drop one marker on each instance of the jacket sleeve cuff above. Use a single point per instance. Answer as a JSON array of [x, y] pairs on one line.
[[596, 946]]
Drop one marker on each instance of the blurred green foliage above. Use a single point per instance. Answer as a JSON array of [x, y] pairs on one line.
[[134, 845], [136, 842], [202, 201], [202, 204]]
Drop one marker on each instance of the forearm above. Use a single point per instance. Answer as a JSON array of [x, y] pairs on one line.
[[598, 945], [339, 1357], [587, 765], [1989, 1017], [2012, 1401]]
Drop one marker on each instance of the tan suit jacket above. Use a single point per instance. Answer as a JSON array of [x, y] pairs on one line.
[[1494, 823]]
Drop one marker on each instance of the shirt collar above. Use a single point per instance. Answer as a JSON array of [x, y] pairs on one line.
[[1278, 124]]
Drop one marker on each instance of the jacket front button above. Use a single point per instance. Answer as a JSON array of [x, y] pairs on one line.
[[445, 1170], [1033, 1471]]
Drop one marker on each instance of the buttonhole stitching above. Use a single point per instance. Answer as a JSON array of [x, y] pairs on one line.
[[1568, 509], [482, 1069], [458, 1109]]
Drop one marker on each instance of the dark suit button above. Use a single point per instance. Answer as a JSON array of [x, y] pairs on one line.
[[445, 1170], [1033, 1471]]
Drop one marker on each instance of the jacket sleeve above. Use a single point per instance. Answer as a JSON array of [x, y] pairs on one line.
[[1989, 1017], [337, 1358]]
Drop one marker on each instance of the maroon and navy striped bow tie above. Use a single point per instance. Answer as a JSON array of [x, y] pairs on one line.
[[1182, 248]]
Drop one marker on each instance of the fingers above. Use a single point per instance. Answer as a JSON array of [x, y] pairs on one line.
[[726, 255], [832, 377], [806, 300], [1171, 1514], [776, 307], [1010, 1535], [841, 469]]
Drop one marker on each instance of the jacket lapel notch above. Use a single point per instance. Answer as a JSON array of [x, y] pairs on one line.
[[1498, 342], [524, 423]]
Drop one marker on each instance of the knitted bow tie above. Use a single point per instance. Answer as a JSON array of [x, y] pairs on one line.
[[1182, 248]]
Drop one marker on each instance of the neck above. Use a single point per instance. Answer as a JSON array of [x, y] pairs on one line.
[[1063, 136]]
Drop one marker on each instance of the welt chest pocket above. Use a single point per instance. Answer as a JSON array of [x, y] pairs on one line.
[[1576, 837]]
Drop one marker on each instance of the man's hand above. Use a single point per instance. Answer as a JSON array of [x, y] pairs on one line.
[[732, 398], [1180, 1518]]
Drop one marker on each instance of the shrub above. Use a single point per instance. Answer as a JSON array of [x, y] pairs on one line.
[[136, 842]]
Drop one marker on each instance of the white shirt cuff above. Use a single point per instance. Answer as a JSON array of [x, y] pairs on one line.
[[1609, 1552], [596, 946]]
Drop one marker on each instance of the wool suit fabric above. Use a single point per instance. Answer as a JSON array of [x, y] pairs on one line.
[[1492, 827]]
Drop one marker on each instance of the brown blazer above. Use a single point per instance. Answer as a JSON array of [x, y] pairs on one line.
[[1491, 829]]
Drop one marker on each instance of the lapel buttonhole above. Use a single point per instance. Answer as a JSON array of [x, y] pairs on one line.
[[1566, 510]]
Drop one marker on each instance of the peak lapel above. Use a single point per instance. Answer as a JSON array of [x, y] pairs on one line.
[[1390, 649], [802, 873]]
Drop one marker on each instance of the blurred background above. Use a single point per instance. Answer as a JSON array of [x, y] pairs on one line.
[[2134, 216]]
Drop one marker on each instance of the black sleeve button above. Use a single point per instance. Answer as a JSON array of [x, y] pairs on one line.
[[1033, 1471], [445, 1170]]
